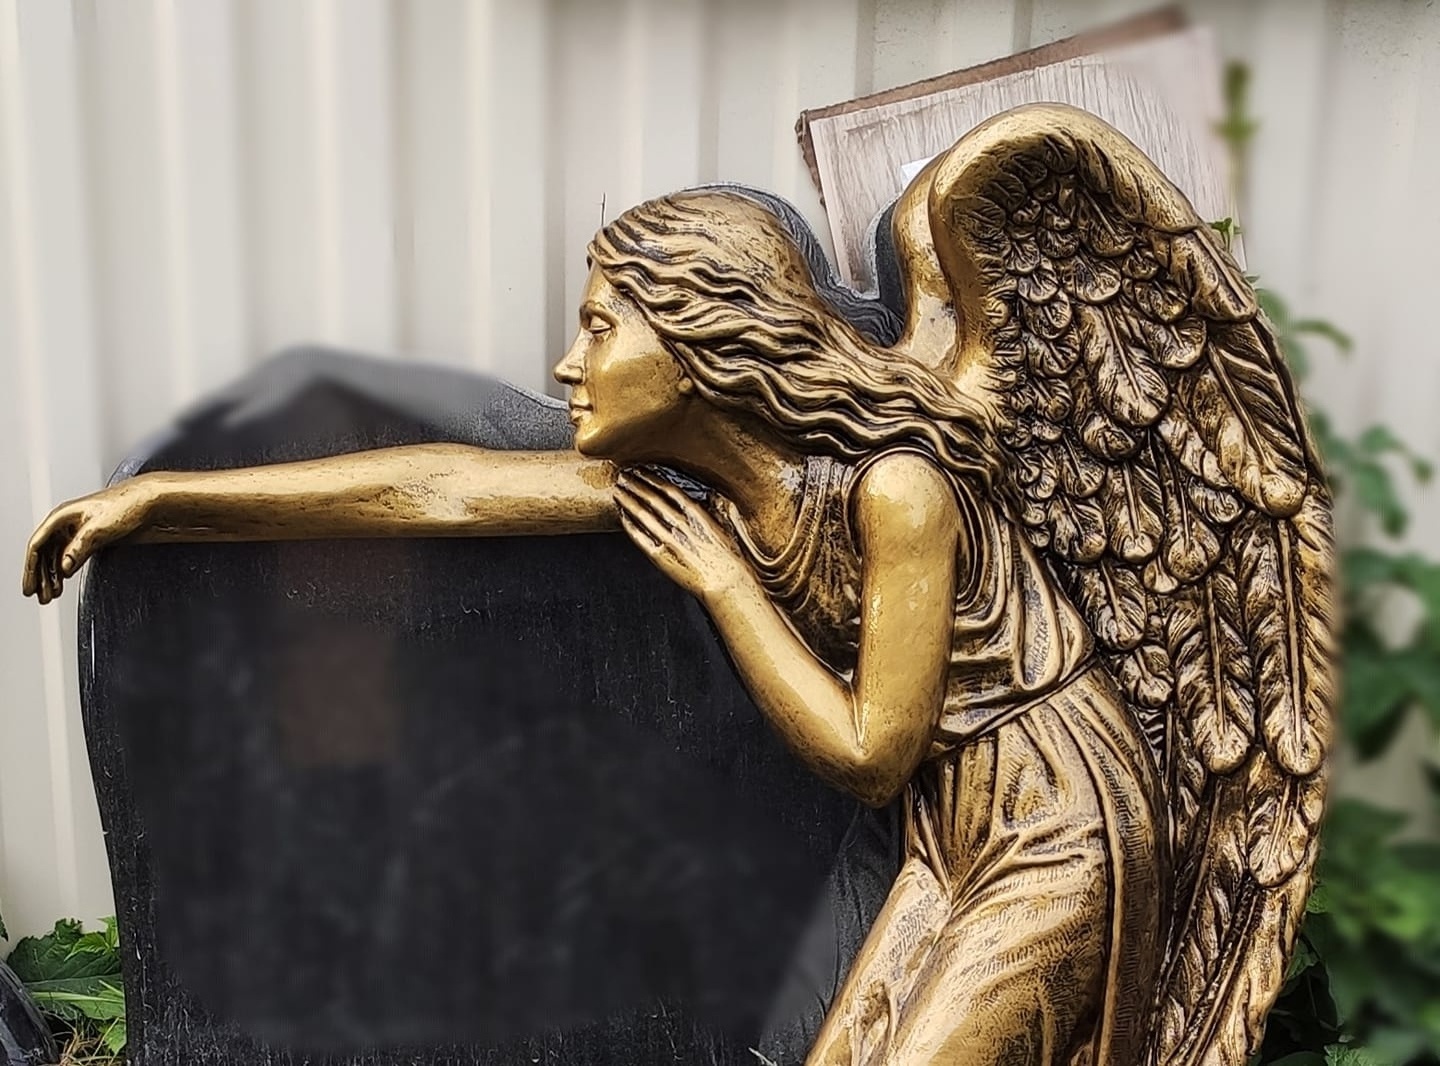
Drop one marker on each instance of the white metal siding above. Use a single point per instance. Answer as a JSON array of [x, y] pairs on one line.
[[188, 185]]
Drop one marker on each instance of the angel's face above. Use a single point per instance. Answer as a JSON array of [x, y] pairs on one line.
[[628, 394]]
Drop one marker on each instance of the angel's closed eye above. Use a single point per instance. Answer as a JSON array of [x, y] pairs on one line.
[[597, 326]]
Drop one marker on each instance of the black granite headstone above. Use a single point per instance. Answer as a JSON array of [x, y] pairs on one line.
[[446, 801]]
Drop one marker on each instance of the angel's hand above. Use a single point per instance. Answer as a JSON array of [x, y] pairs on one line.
[[679, 536], [75, 531]]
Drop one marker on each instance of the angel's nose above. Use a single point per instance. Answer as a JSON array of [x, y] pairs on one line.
[[571, 369]]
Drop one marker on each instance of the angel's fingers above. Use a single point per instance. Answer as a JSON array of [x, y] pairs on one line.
[[689, 512], [670, 520], [35, 552], [655, 527], [658, 551], [670, 492], [75, 554], [29, 582], [639, 534], [654, 497], [52, 573]]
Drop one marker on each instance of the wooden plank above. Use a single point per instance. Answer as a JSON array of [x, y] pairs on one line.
[[1162, 92], [1153, 24]]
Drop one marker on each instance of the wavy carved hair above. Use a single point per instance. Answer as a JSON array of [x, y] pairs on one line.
[[719, 279]]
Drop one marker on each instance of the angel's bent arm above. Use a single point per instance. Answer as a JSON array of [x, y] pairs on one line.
[[431, 490], [867, 732]]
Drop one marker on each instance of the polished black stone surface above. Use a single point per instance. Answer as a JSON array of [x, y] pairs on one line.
[[446, 801]]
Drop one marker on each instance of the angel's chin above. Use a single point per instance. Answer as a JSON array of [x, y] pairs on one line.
[[587, 442]]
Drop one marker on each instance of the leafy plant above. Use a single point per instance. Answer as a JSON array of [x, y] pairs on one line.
[[1364, 986], [74, 978]]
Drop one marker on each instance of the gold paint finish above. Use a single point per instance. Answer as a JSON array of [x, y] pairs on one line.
[[1054, 572]]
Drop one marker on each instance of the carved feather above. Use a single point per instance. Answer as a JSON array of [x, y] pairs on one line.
[[1213, 674], [1105, 439], [1114, 598], [1077, 529], [1131, 388], [1089, 278], [1157, 299], [1186, 782], [1133, 508], [1054, 400], [1144, 675], [1217, 292], [1221, 904], [1081, 475], [1040, 285], [1284, 819], [1220, 506], [1189, 449], [1051, 358], [1177, 346], [1057, 244], [1190, 546], [1240, 408], [1101, 232], [1284, 586], [1049, 319]]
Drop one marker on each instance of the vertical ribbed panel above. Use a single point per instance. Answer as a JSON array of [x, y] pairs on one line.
[[188, 185]]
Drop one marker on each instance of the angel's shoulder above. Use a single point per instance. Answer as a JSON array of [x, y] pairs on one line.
[[900, 496]]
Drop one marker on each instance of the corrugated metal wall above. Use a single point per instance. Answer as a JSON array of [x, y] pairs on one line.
[[187, 185]]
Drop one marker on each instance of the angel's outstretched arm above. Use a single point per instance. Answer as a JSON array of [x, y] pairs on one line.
[[432, 490]]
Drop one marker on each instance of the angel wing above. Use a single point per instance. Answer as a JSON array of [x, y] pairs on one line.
[[1152, 445]]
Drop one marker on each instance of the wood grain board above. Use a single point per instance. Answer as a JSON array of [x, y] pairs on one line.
[[1161, 89]]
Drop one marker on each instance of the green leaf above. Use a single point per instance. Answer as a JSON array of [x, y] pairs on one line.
[[1228, 231], [1303, 959], [1420, 669], [1330, 332], [1379, 439], [1352, 819], [64, 953], [104, 942], [1376, 492], [1300, 1058], [1361, 567], [74, 976], [88, 997], [47, 957], [1349, 1055], [1274, 306], [1375, 697], [114, 1037], [1396, 1043]]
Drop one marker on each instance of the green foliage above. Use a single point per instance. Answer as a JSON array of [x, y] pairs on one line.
[[74, 978], [1364, 986], [1366, 977]]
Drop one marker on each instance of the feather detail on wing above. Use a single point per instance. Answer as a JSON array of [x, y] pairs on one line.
[[1152, 445]]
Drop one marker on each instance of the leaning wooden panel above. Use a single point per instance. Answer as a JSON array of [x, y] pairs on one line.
[[1042, 554], [1153, 78]]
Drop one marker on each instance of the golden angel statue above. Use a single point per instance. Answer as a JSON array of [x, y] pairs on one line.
[[1042, 553]]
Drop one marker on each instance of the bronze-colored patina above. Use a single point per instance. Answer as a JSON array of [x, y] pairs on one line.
[[1054, 570]]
